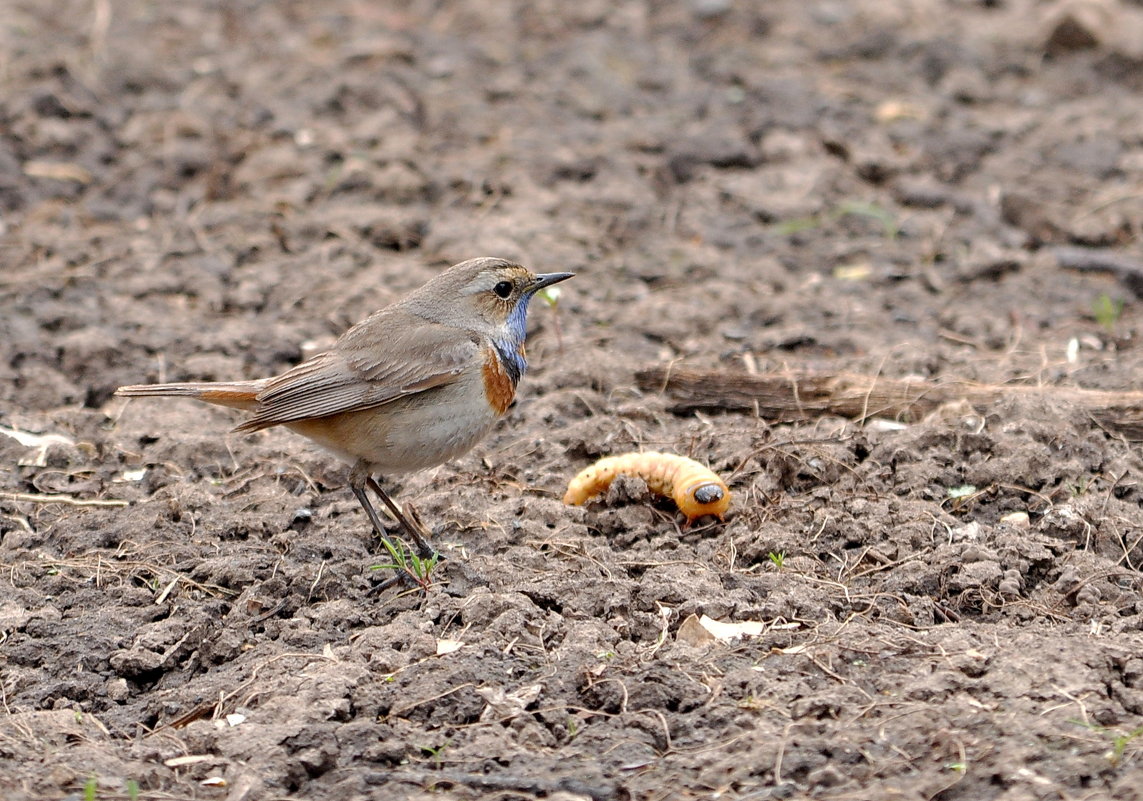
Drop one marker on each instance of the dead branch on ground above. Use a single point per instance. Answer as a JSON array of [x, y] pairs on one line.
[[792, 396]]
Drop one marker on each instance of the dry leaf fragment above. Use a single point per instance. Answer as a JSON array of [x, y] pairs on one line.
[[504, 705], [57, 171], [732, 631], [189, 759], [793, 649], [448, 646], [692, 632], [892, 110], [858, 271]]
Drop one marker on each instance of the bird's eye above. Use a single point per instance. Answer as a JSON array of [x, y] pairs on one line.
[[503, 289]]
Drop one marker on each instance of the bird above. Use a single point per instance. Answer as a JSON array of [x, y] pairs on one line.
[[414, 385]]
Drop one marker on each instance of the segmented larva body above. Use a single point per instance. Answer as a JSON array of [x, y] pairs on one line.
[[695, 488]]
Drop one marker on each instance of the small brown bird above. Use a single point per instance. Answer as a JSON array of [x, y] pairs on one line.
[[412, 386]]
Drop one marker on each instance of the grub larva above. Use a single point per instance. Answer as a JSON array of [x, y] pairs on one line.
[[695, 488]]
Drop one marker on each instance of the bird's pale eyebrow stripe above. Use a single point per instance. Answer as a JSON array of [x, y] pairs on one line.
[[483, 283]]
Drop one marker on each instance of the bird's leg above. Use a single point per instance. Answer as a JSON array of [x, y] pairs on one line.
[[359, 480], [367, 505], [412, 526]]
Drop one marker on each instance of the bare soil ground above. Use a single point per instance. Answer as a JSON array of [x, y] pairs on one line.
[[216, 190]]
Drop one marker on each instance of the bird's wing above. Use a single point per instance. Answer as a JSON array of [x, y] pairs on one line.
[[388, 356]]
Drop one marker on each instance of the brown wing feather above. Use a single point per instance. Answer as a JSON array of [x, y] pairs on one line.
[[387, 356]]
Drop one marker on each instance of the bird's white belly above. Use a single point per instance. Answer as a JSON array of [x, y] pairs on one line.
[[413, 433]]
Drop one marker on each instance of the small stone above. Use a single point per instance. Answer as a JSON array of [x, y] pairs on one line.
[[117, 690], [1007, 587], [709, 9], [1081, 25], [1088, 594], [1016, 520], [969, 531], [976, 574]]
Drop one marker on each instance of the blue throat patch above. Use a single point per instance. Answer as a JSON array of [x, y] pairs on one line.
[[517, 323], [510, 350]]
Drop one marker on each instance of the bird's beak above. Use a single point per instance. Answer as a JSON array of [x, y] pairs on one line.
[[547, 279]]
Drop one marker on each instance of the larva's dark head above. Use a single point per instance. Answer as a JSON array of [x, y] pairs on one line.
[[708, 493], [706, 498]]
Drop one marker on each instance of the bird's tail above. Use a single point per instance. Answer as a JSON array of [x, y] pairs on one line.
[[235, 394]]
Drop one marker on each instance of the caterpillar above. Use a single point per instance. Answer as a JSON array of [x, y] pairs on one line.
[[695, 488]]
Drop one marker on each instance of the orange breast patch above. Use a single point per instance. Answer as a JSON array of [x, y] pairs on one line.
[[498, 385]]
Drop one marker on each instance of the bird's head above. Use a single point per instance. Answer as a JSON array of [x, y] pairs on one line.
[[486, 295]]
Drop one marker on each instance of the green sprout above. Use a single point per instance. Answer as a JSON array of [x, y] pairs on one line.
[[405, 560], [1119, 740], [1106, 311], [859, 208], [436, 753], [849, 208], [1119, 744], [551, 296]]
